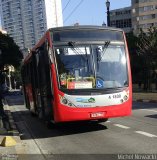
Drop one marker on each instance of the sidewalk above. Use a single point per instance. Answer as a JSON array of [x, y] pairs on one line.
[[145, 97], [8, 128], [25, 149]]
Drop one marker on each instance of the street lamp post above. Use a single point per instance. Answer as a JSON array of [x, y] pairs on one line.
[[9, 76], [108, 12], [11, 70]]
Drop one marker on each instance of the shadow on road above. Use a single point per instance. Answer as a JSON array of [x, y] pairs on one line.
[[4, 126], [152, 116], [32, 127]]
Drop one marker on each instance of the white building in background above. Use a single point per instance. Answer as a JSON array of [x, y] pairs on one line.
[[27, 20], [121, 18], [144, 15]]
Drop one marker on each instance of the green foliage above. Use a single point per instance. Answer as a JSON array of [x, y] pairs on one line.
[[135, 59], [147, 42], [10, 52], [143, 53], [147, 48], [17, 74], [132, 42]]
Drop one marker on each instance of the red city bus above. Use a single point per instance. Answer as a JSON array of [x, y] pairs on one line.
[[78, 73]]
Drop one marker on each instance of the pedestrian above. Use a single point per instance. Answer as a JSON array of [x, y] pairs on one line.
[[2, 113]]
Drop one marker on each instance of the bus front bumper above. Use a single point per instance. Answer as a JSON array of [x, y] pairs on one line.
[[65, 114]]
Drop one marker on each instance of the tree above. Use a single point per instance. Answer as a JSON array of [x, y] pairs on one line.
[[143, 55], [132, 42], [147, 49], [135, 59], [10, 52]]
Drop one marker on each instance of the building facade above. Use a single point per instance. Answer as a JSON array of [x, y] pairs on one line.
[[144, 14], [121, 18], [27, 20]]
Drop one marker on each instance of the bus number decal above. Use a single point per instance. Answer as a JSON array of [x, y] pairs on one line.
[[116, 96]]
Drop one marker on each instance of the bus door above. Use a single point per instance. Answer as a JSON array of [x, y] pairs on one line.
[[44, 91], [27, 83]]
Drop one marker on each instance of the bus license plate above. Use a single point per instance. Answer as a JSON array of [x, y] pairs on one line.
[[97, 114]]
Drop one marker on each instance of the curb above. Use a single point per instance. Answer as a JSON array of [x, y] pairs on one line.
[[13, 131], [13, 128], [145, 100]]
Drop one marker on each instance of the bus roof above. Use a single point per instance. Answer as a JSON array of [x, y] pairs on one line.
[[84, 27], [73, 28], [68, 28]]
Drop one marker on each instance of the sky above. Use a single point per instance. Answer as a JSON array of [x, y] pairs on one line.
[[89, 12]]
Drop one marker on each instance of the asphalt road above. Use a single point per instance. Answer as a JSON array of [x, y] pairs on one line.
[[116, 138]]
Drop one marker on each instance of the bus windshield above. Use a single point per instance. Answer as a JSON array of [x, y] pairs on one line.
[[91, 66]]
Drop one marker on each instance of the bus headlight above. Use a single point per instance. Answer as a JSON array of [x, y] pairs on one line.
[[125, 98], [66, 102]]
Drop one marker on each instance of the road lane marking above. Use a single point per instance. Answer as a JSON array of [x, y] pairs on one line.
[[146, 134], [121, 126], [151, 110]]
